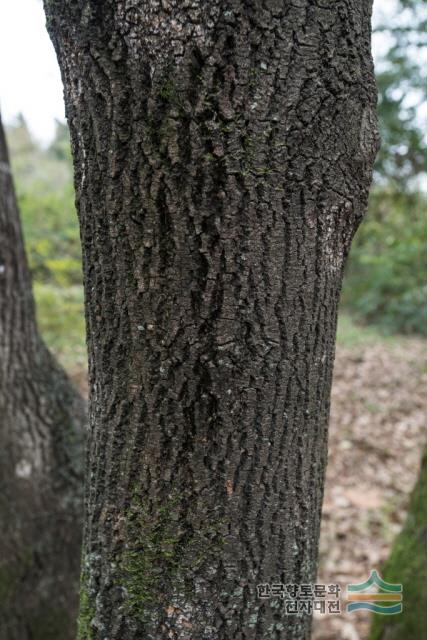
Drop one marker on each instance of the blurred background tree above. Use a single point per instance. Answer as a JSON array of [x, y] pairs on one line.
[[44, 185]]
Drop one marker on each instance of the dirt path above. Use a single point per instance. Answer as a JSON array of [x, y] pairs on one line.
[[377, 433]]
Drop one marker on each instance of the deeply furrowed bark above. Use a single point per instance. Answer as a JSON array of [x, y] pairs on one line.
[[42, 420], [223, 154]]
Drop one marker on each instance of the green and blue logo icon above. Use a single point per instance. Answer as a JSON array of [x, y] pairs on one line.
[[387, 600]]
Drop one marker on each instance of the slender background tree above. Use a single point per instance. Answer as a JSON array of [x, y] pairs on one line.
[[223, 154], [42, 422], [407, 565]]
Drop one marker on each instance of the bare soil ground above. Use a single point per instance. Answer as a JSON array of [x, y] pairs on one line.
[[377, 434]]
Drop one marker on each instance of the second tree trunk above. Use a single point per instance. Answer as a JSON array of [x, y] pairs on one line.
[[42, 424]]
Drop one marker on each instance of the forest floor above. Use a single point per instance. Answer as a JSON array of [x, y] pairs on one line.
[[377, 433], [378, 430]]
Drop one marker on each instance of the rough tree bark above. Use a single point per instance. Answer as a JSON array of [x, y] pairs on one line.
[[42, 421], [223, 154]]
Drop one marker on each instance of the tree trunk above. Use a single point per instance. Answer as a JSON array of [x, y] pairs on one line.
[[223, 154], [41, 429], [407, 565]]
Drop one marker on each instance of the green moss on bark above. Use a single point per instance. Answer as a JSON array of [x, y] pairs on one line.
[[153, 559], [408, 565], [86, 615], [164, 554]]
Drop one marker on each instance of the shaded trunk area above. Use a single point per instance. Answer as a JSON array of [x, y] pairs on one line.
[[42, 423], [223, 153], [407, 565]]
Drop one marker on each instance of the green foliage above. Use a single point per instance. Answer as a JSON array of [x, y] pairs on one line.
[[402, 83], [60, 316], [45, 194], [386, 279]]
